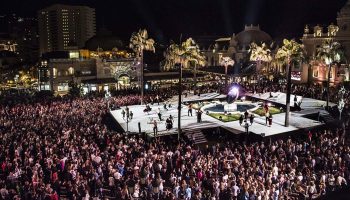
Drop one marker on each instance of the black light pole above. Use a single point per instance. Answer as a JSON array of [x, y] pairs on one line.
[[142, 74], [179, 103], [128, 119], [289, 88]]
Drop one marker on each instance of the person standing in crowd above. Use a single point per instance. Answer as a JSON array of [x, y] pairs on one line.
[[199, 116], [189, 112], [155, 128], [169, 124], [157, 99], [131, 114], [159, 114], [123, 113]]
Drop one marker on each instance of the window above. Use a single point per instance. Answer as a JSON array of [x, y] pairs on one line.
[[71, 71], [86, 72], [54, 71], [315, 73], [62, 87]]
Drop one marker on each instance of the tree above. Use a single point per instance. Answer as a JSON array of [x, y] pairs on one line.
[[140, 42], [290, 51], [172, 57], [187, 54], [329, 52], [226, 61], [259, 54], [75, 90]]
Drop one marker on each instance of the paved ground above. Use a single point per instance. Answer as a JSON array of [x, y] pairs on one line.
[[297, 121]]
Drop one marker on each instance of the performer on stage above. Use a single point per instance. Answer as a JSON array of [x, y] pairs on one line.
[[169, 124]]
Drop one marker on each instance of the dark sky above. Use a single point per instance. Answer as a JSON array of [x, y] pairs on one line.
[[167, 19]]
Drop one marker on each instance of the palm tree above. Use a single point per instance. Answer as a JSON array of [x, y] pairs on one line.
[[329, 52], [186, 54], [291, 51], [140, 42], [172, 57], [259, 54], [226, 61], [192, 55]]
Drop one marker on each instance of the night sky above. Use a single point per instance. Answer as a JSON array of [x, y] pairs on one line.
[[168, 19]]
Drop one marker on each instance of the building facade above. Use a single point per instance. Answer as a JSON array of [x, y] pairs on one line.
[[63, 26], [237, 48], [93, 71], [313, 38]]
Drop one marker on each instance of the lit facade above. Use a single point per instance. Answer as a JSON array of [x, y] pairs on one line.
[[313, 38], [63, 26], [237, 48], [8, 45], [90, 69]]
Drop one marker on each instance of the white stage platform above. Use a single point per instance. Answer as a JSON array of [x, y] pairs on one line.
[[280, 98], [297, 121]]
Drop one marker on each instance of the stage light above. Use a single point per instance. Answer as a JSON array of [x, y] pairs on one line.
[[234, 92]]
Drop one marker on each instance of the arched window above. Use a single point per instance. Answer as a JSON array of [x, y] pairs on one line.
[[71, 71], [54, 71]]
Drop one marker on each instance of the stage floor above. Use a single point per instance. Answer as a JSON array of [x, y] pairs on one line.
[[297, 121]]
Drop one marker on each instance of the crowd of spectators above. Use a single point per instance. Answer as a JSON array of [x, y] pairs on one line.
[[63, 149]]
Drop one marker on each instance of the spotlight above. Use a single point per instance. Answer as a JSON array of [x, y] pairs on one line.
[[234, 92]]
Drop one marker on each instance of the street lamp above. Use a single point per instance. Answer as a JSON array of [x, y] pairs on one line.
[[341, 102], [128, 119], [243, 121]]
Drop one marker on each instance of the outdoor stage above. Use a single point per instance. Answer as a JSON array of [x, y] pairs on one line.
[[297, 119]]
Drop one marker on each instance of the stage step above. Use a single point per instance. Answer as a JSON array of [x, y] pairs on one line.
[[196, 135]]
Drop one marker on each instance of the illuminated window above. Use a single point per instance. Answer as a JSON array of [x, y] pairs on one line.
[[54, 70], [71, 71], [63, 87], [73, 54], [315, 73]]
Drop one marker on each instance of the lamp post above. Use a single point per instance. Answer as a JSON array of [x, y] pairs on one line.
[[243, 122], [179, 103], [341, 102], [128, 119]]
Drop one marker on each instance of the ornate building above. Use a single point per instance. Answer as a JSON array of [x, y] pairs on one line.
[[235, 47], [93, 70], [313, 37]]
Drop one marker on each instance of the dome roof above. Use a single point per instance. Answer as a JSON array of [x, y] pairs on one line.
[[252, 34]]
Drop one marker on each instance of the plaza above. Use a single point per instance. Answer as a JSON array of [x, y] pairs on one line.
[[299, 121]]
